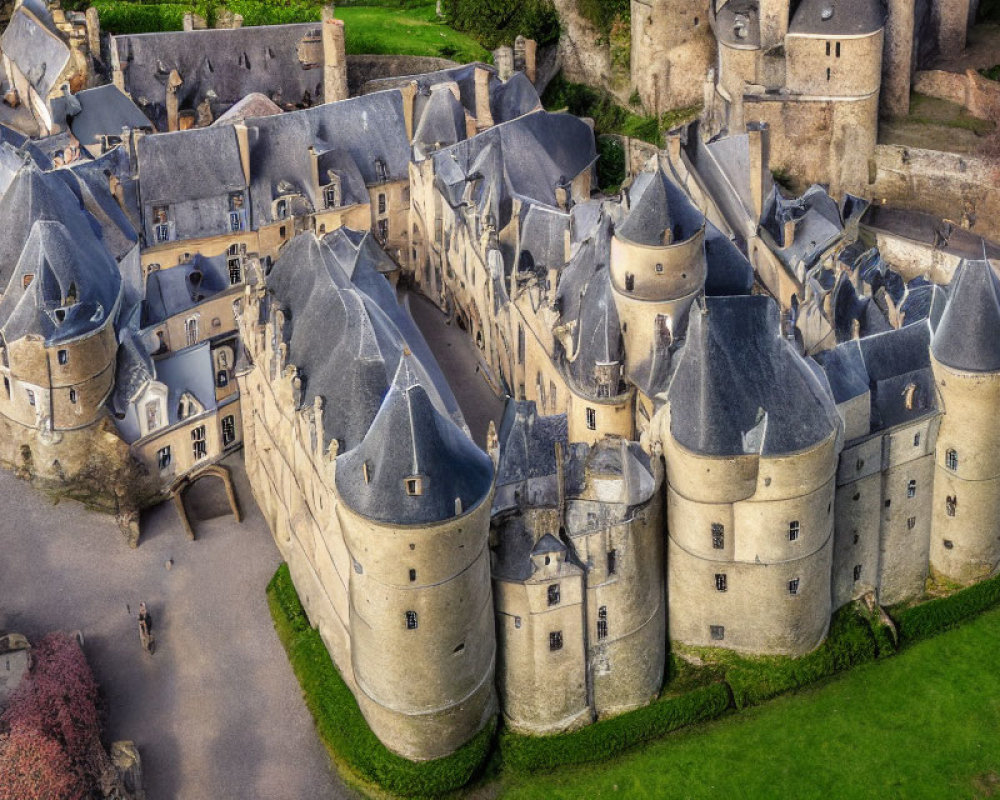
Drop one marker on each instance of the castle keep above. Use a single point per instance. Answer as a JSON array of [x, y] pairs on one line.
[[729, 413]]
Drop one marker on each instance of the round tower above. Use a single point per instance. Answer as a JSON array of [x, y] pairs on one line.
[[965, 357], [415, 500], [658, 266], [751, 436]]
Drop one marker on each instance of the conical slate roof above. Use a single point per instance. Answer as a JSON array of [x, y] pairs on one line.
[[659, 206], [411, 439], [968, 337], [741, 388], [599, 335]]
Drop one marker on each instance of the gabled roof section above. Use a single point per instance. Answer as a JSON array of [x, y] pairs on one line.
[[729, 271], [598, 334], [514, 98], [528, 443], [442, 122], [741, 388], [178, 289], [223, 65], [105, 111], [660, 212], [189, 165], [968, 337], [36, 48], [410, 440]]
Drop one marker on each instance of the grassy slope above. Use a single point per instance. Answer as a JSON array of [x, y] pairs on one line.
[[414, 31], [924, 724]]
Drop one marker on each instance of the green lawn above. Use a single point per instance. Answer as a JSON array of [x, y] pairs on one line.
[[413, 31], [922, 724]]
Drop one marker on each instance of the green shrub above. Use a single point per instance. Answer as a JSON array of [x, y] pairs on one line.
[[942, 613], [611, 737], [339, 721], [755, 680], [499, 22], [611, 164], [121, 18], [602, 13]]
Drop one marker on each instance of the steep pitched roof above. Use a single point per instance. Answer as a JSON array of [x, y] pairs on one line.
[[37, 49], [741, 388], [104, 111], [513, 98], [441, 123], [658, 207], [598, 334], [411, 438], [968, 337]]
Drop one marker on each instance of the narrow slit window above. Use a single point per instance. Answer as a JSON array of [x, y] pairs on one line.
[[602, 623], [718, 536], [413, 576], [612, 561], [857, 572]]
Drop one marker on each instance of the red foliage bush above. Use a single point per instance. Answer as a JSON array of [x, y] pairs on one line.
[[35, 766], [59, 699]]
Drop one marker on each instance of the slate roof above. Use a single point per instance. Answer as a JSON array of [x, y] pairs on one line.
[[104, 111], [133, 370], [835, 18], [410, 437], [657, 206], [346, 333], [33, 44], [513, 98], [441, 122], [464, 75], [62, 263], [355, 133], [177, 289], [729, 271], [968, 336], [193, 173], [885, 364], [739, 387], [228, 62], [598, 335], [818, 224]]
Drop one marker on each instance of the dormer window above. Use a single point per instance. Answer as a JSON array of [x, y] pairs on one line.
[[26, 280], [71, 295], [161, 224], [381, 171], [281, 209], [414, 486], [62, 357], [331, 194]]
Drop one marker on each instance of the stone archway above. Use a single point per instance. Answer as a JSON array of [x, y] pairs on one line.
[[179, 486]]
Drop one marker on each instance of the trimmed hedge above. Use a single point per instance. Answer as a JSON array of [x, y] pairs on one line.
[[121, 18], [341, 726], [850, 642], [613, 736], [934, 616]]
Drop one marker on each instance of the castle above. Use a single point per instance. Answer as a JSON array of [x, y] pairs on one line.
[[729, 414]]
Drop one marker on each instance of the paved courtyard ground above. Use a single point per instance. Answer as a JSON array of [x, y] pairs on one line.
[[216, 712]]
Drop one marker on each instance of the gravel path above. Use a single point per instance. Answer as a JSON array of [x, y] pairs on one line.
[[216, 713]]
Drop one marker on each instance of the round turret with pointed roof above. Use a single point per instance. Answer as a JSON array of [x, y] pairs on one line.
[[968, 336]]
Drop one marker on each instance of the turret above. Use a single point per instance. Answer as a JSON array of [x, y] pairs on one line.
[[415, 510], [658, 266], [750, 436], [965, 357]]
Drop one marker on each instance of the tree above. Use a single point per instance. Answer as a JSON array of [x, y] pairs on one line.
[[59, 699], [34, 766]]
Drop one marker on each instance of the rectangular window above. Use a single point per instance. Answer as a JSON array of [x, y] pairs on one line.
[[330, 195], [555, 640], [718, 536], [383, 230], [63, 357], [911, 489], [414, 486], [793, 586], [911, 523], [413, 575], [951, 505], [554, 594], [152, 416], [235, 221], [72, 396], [199, 447], [163, 458], [602, 623], [381, 203], [717, 632], [591, 419], [828, 48], [162, 233], [31, 397], [228, 430], [517, 622], [793, 530], [837, 50], [411, 620], [916, 440], [721, 583], [191, 331], [857, 572], [612, 561], [235, 271]]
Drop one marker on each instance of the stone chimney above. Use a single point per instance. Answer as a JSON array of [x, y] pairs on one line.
[[189, 21], [788, 232], [531, 59], [334, 57], [174, 82], [93, 33], [504, 59], [519, 54], [758, 136], [484, 117]]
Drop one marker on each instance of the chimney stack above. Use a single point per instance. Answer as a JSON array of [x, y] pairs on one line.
[[757, 134], [334, 57], [505, 61], [484, 117], [531, 59]]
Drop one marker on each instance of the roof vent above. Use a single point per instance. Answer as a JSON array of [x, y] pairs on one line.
[[826, 13]]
